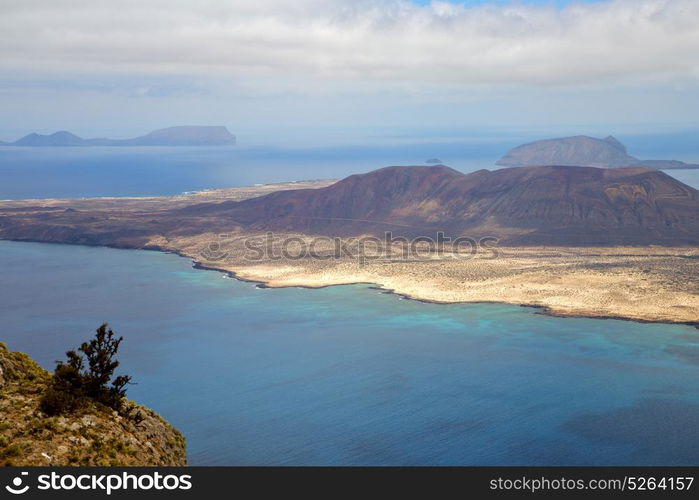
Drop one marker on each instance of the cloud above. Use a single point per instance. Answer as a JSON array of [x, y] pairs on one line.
[[168, 87], [350, 40]]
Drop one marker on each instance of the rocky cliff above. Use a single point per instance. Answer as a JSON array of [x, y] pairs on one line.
[[95, 435]]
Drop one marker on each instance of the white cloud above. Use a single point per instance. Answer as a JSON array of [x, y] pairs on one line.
[[388, 40], [327, 69]]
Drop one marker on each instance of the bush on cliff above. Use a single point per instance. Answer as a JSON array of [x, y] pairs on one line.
[[87, 374]]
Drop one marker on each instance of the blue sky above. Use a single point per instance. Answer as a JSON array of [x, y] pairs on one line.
[[317, 72]]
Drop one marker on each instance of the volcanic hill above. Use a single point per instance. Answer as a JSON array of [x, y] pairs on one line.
[[555, 205]]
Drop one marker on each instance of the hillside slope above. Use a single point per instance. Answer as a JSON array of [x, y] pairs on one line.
[[557, 205], [534, 205], [95, 435]]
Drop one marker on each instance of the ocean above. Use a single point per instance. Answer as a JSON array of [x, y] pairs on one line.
[[70, 172], [349, 375], [75, 172]]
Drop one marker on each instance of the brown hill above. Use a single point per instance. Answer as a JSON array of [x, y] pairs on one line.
[[556, 205], [533, 205]]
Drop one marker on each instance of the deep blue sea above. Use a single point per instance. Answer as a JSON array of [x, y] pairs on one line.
[[69, 172], [349, 375]]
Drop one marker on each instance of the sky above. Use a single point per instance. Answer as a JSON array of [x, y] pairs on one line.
[[323, 72]]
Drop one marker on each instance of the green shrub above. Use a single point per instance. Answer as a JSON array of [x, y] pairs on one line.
[[58, 401], [11, 450], [87, 374]]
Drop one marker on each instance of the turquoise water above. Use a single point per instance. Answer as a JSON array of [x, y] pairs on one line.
[[348, 375]]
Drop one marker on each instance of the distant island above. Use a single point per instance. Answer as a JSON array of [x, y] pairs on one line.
[[582, 151], [171, 136]]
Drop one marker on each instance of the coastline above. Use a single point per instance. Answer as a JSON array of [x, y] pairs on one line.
[[260, 281], [539, 308]]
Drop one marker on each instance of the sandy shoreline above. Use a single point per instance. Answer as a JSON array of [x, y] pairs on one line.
[[373, 286], [636, 284], [651, 305]]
